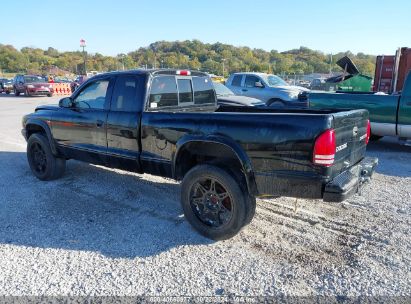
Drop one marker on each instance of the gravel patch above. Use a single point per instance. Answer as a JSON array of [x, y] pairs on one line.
[[99, 231]]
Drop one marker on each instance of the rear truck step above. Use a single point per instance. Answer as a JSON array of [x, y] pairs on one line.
[[351, 181]]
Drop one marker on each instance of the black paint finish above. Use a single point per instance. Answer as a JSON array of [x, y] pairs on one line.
[[271, 148]]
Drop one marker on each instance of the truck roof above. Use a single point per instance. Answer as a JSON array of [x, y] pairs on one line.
[[250, 73], [155, 72]]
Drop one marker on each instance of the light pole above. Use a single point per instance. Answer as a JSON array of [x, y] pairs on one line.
[[223, 60], [331, 62], [122, 59], [83, 45]]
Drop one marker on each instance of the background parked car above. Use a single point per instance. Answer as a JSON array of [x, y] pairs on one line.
[[31, 85], [269, 88], [317, 84], [227, 97], [6, 86]]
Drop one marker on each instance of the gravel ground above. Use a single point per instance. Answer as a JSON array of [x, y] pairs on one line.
[[99, 231]]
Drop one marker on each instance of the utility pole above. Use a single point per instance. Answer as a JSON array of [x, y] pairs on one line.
[[83, 45], [223, 60], [331, 62], [122, 59]]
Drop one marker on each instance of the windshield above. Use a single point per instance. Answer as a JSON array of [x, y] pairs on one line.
[[274, 81], [222, 90], [29, 79]]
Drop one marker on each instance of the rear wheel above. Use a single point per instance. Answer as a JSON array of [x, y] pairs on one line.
[[214, 203], [43, 164]]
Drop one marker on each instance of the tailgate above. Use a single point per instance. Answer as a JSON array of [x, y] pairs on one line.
[[351, 135]]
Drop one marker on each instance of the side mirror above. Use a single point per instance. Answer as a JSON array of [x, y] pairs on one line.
[[258, 84], [66, 102]]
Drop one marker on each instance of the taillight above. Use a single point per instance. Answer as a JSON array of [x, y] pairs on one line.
[[183, 72], [324, 149], [367, 138]]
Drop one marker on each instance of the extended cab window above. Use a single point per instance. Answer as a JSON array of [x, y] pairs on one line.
[[237, 80], [203, 90], [93, 96], [250, 81], [185, 90], [163, 92], [125, 95]]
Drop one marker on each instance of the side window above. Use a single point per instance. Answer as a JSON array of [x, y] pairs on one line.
[[93, 96], [185, 90], [163, 92], [237, 80], [250, 81], [126, 93], [203, 90]]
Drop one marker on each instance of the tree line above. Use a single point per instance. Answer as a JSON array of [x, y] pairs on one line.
[[217, 58]]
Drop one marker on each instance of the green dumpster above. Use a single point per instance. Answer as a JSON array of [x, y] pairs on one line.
[[354, 83]]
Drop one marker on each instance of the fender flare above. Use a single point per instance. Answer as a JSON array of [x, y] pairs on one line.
[[42, 124], [221, 140]]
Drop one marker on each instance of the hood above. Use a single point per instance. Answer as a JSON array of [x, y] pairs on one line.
[[292, 88], [243, 100], [38, 84], [47, 108]]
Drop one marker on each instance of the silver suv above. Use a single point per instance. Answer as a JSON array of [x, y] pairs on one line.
[[269, 88]]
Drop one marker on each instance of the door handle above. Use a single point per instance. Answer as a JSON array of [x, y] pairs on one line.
[[99, 123]]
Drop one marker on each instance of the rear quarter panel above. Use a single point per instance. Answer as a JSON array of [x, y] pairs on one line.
[[279, 145]]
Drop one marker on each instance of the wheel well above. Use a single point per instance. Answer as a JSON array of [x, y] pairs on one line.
[[220, 155], [32, 128], [272, 100]]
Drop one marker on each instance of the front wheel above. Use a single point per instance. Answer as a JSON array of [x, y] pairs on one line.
[[214, 203], [43, 164], [17, 93]]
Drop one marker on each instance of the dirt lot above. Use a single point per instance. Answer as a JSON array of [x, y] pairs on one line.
[[99, 231]]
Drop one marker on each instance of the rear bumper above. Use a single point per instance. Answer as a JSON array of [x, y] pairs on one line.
[[351, 181], [307, 186]]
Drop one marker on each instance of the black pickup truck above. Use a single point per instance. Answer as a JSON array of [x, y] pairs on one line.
[[167, 123]]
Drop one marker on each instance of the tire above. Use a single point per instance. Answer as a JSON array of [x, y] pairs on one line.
[[26, 93], [375, 137], [218, 214], [252, 205], [7, 92], [44, 165], [17, 93], [49, 95]]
